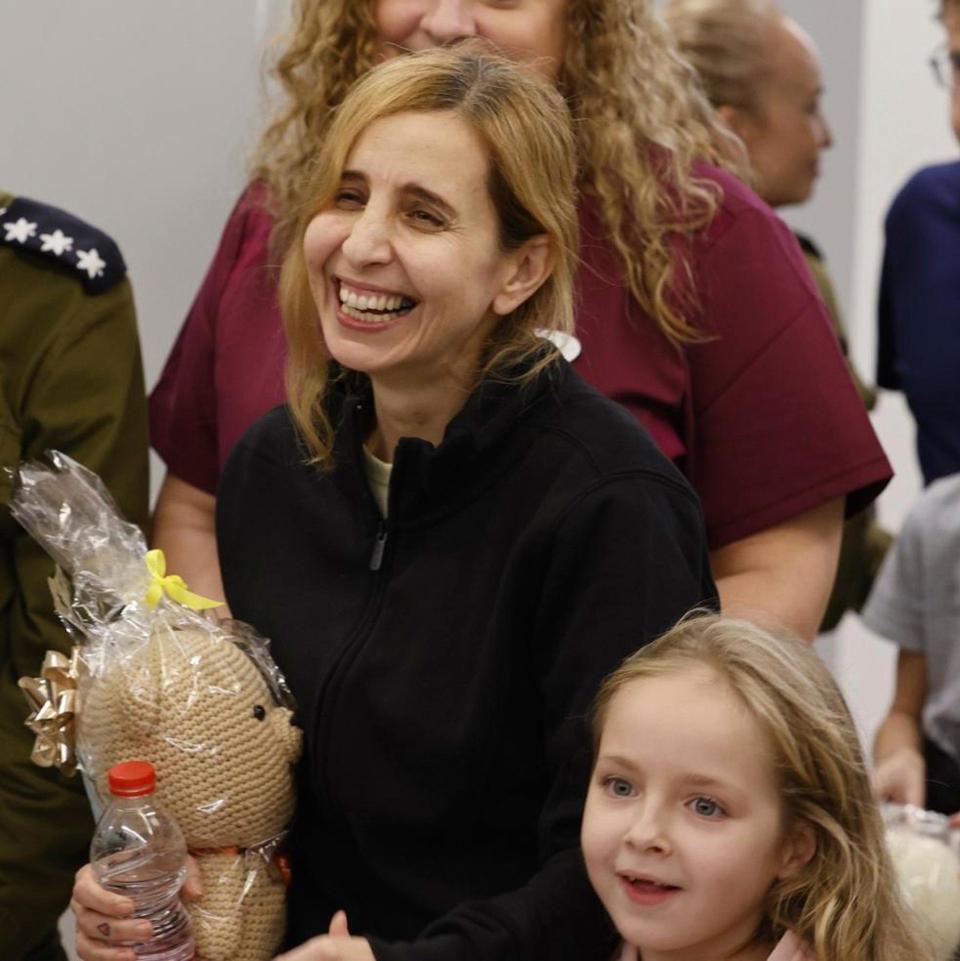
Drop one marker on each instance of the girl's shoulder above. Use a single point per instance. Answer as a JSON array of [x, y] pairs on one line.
[[791, 948]]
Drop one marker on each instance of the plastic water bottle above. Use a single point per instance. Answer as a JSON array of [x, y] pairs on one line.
[[138, 851]]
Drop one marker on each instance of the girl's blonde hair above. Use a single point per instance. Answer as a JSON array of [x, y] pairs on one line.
[[531, 179], [639, 119], [846, 901], [726, 42]]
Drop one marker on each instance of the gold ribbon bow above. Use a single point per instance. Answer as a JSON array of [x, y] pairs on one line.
[[53, 698], [172, 585]]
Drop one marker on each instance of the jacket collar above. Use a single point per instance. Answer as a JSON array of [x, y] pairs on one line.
[[486, 433]]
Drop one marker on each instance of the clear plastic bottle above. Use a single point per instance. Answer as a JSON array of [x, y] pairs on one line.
[[138, 851]]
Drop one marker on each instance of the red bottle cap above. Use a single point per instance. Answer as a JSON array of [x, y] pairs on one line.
[[132, 779]]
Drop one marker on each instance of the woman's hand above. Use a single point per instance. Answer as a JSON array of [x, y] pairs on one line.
[[901, 777], [104, 918], [336, 945]]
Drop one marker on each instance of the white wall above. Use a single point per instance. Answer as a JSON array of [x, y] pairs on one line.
[[139, 117]]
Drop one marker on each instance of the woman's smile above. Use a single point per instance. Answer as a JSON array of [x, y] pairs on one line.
[[370, 307]]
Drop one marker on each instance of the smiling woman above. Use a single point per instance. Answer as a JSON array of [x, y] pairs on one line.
[[473, 276], [386, 236], [444, 638]]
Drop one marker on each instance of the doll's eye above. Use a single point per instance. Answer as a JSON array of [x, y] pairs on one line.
[[259, 712]]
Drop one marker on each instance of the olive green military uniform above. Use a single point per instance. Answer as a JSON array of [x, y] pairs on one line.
[[71, 380], [864, 542]]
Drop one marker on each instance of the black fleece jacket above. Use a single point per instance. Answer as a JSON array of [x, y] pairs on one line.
[[444, 660]]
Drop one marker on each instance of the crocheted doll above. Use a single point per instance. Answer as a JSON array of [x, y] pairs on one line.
[[157, 681], [197, 707]]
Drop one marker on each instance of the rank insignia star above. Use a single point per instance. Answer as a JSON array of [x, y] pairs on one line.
[[91, 262], [57, 242], [29, 228], [20, 230]]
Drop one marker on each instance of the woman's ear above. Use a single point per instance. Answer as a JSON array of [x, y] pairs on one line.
[[744, 123], [798, 850], [732, 116], [530, 266]]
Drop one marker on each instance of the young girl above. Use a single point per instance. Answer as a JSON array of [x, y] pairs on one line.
[[729, 815]]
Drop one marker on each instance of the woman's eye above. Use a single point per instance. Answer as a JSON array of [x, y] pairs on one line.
[[348, 199], [424, 218], [706, 807], [618, 787]]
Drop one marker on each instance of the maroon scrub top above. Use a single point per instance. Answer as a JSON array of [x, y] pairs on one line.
[[760, 414]]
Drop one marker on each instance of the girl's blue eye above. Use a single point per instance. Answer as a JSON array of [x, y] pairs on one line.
[[618, 787], [706, 807]]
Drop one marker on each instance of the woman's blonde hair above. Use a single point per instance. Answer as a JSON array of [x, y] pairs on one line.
[[639, 119], [726, 42], [845, 902], [524, 125]]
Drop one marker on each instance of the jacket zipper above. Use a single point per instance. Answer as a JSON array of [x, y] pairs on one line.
[[379, 546], [328, 696]]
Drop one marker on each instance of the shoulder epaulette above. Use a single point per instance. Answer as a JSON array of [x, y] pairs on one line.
[[58, 236]]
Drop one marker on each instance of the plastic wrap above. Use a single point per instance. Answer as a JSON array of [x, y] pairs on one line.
[[926, 854], [160, 681]]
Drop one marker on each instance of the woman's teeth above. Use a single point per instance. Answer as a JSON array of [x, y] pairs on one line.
[[372, 306]]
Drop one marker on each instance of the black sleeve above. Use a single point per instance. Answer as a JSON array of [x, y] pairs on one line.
[[626, 561]]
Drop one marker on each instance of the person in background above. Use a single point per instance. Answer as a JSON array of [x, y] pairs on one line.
[[448, 536], [918, 344], [695, 309], [914, 604], [762, 74], [70, 380]]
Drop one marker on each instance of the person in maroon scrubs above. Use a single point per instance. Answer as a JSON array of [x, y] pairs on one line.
[[695, 307]]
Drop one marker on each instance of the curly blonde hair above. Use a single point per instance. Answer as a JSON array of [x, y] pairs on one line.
[[532, 172], [640, 119], [845, 902]]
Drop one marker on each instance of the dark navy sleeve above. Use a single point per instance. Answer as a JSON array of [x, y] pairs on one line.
[[919, 312]]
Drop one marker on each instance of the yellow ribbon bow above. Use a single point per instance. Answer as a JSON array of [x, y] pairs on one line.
[[172, 585], [53, 697]]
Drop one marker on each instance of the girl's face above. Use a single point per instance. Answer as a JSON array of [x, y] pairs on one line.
[[526, 30], [683, 831], [405, 264]]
